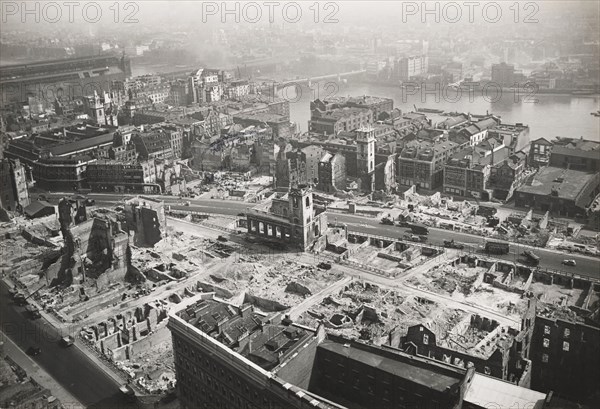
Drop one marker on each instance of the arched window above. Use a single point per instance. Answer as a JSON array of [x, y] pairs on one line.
[[307, 201]]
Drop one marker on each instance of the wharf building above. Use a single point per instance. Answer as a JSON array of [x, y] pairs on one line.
[[377, 105], [331, 122], [230, 356], [571, 153], [562, 192], [503, 74], [467, 172], [359, 155], [421, 163]]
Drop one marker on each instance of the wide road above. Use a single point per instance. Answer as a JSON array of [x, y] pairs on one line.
[[68, 366], [549, 259]]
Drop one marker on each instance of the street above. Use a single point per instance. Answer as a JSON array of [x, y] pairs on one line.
[[69, 366], [550, 259]]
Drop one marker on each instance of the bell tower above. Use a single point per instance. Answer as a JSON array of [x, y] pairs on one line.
[[365, 141], [301, 205]]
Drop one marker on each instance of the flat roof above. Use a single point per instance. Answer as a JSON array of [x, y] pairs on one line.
[[489, 392], [82, 144], [573, 182], [430, 378]]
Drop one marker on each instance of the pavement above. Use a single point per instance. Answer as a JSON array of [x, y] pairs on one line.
[[79, 374], [43, 378]]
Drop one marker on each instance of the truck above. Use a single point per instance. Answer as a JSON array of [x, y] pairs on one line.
[[418, 228], [497, 247], [531, 257], [451, 244]]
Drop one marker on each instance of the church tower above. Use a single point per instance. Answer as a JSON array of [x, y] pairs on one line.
[[365, 155]]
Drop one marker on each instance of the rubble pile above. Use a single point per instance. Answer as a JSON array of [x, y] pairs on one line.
[[446, 279], [276, 279], [368, 312]]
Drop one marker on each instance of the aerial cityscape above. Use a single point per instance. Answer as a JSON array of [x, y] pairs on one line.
[[349, 204]]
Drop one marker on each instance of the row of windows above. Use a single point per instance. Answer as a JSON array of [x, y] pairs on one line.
[[565, 346], [566, 332]]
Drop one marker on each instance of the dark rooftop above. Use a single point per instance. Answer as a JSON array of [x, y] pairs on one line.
[[566, 183], [244, 331], [428, 374]]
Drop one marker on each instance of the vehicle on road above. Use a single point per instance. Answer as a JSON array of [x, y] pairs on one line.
[[127, 392], [20, 299], [242, 214], [67, 341], [497, 247], [418, 228], [451, 244], [531, 258], [222, 238], [403, 224], [569, 262], [324, 266], [387, 220], [90, 202], [415, 238], [33, 351], [33, 312]]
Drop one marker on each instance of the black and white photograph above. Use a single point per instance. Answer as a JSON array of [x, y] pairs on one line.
[[351, 204]]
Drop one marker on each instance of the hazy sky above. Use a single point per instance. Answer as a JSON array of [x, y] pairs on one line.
[[176, 15]]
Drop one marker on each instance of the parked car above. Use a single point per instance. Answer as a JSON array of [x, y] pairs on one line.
[[415, 238], [451, 244], [67, 341], [221, 238], [34, 351], [324, 266], [569, 262], [90, 202]]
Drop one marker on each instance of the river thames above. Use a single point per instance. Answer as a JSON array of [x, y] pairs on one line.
[[547, 115]]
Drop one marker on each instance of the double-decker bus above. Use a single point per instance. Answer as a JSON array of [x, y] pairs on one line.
[[497, 247]]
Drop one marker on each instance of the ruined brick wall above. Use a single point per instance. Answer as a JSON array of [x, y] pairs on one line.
[[148, 226]]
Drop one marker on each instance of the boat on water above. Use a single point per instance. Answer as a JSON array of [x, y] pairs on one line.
[[430, 110], [582, 92]]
